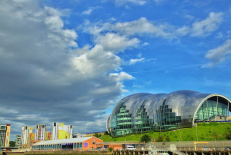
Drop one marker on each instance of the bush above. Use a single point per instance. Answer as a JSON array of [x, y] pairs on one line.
[[106, 133], [167, 139], [110, 149], [160, 138], [145, 138], [97, 135]]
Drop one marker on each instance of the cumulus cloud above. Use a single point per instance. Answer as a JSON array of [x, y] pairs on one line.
[[45, 77], [137, 27], [116, 43], [133, 61], [203, 27], [218, 54]]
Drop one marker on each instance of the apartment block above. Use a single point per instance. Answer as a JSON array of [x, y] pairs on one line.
[[40, 132], [4, 135], [61, 131], [25, 137]]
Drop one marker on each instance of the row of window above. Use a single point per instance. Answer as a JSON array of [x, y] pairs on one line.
[[56, 147]]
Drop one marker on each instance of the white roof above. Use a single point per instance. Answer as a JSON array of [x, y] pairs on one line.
[[60, 141]]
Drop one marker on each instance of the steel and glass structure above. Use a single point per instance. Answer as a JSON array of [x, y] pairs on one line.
[[144, 111]]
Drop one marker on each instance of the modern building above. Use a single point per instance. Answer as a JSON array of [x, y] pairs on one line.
[[83, 143], [40, 132], [61, 131], [4, 135], [25, 137], [18, 140], [48, 136], [31, 138], [145, 111]]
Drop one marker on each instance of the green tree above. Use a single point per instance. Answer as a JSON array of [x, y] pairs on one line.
[[160, 138], [97, 135], [110, 149], [12, 143], [215, 135], [145, 138], [167, 139], [227, 134], [106, 133]]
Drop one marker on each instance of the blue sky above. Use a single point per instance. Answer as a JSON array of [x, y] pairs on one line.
[[71, 61]]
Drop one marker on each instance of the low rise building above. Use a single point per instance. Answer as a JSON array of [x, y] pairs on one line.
[[83, 143]]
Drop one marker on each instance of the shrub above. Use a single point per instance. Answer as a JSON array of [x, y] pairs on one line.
[[145, 138], [160, 138], [167, 139], [110, 149]]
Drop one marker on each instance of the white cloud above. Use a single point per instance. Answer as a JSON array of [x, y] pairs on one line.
[[203, 27], [208, 25], [87, 12], [133, 61], [140, 26], [218, 54], [38, 67], [137, 2], [116, 43]]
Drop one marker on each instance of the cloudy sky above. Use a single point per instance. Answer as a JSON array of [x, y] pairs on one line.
[[71, 61]]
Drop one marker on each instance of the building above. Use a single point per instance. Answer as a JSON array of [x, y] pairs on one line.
[[83, 143], [145, 111], [25, 137], [4, 135], [18, 141], [31, 138], [40, 132], [78, 135], [61, 131], [48, 136]]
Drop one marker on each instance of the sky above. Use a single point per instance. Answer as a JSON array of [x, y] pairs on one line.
[[71, 61]]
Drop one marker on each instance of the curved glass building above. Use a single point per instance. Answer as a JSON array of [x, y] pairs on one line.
[[144, 111]]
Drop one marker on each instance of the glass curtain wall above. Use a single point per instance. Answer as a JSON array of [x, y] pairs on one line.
[[210, 109], [123, 123], [165, 119]]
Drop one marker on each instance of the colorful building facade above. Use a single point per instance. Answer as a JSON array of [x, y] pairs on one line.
[[84, 143], [61, 131], [25, 137], [5, 135], [40, 132]]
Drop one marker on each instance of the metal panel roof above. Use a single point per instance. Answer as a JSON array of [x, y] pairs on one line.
[[60, 141]]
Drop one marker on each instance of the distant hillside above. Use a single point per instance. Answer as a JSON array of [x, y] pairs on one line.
[[205, 131]]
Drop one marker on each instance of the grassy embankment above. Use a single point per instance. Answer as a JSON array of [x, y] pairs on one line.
[[205, 132]]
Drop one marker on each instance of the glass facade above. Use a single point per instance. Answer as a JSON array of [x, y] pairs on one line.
[[144, 112], [210, 109]]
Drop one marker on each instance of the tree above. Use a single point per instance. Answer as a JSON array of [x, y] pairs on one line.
[[227, 134], [110, 149], [167, 139], [160, 138], [97, 135], [215, 135], [106, 133], [145, 138], [12, 143]]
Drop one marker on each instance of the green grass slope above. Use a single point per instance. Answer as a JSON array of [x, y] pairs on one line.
[[205, 132]]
